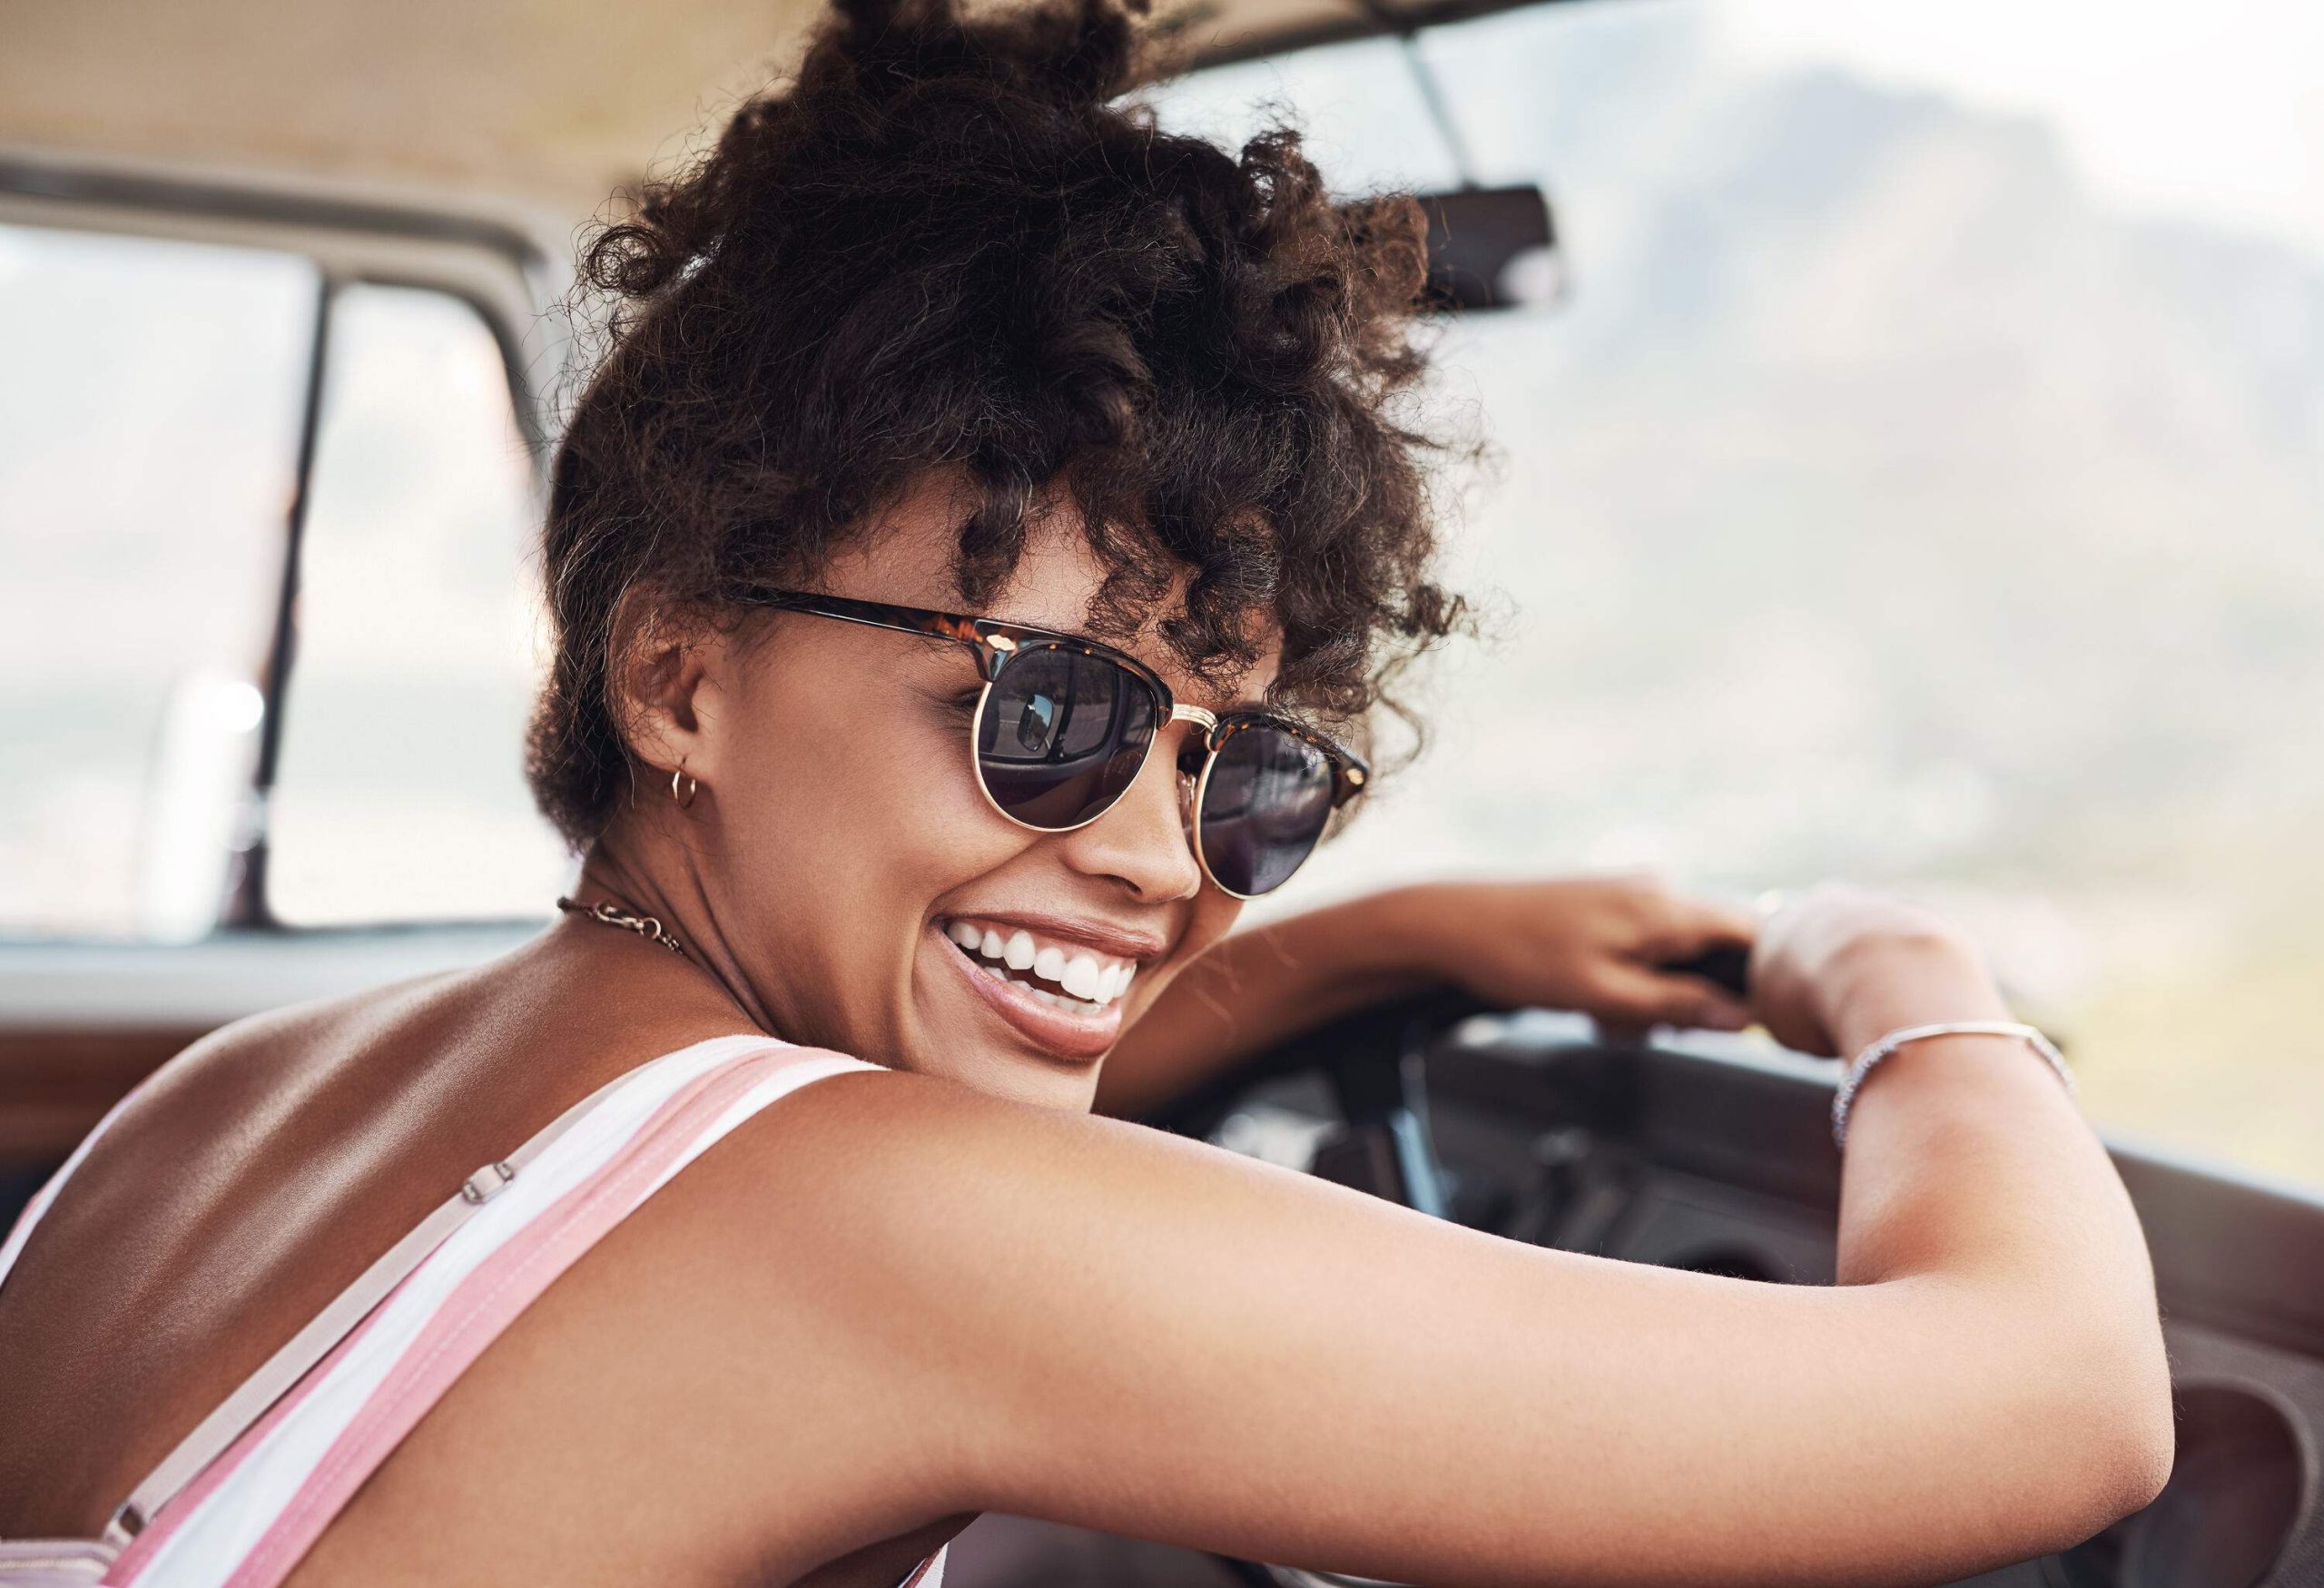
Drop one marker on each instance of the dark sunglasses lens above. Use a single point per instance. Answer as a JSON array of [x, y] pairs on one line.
[[1267, 802], [1061, 737]]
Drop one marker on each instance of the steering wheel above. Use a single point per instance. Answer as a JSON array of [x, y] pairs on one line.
[[1374, 1062]]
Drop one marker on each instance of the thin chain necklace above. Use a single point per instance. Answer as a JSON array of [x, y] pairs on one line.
[[645, 926]]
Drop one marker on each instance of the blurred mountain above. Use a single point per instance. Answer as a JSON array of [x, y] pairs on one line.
[[1882, 501]]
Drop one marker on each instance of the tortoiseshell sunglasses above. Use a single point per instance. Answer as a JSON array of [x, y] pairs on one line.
[[1064, 724]]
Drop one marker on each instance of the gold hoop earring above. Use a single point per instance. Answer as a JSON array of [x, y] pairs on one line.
[[685, 795]]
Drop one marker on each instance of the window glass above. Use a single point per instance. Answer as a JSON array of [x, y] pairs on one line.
[[1923, 482], [400, 793], [149, 400]]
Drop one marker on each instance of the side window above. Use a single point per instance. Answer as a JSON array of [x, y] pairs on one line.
[[400, 795], [150, 404], [153, 398]]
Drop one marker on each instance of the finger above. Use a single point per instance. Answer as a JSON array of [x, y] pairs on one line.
[[1648, 997], [1692, 926], [1726, 923]]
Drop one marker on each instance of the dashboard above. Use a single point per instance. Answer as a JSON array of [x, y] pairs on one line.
[[1712, 1154]]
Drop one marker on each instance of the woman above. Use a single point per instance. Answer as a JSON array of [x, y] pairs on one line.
[[988, 525]]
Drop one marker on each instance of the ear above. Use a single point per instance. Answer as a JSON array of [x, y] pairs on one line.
[[663, 680]]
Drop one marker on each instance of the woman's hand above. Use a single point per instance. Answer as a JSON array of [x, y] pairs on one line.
[[1840, 967], [1596, 944]]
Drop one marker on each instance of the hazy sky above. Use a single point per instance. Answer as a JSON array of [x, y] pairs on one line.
[[2214, 110]]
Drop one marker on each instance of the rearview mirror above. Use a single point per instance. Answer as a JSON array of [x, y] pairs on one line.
[[1492, 247]]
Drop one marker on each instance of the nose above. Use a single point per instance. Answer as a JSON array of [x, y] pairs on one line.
[[1143, 840]]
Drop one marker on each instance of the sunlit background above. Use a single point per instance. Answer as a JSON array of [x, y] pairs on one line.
[[1921, 479]]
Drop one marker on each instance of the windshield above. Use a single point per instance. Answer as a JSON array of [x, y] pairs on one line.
[[1921, 479]]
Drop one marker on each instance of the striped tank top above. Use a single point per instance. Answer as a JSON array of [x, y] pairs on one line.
[[245, 1495]]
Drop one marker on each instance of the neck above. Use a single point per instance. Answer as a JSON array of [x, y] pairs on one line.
[[648, 875]]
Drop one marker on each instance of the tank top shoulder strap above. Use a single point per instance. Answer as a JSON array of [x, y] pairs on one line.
[[631, 1096]]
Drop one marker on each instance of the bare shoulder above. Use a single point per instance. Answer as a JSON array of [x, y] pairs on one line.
[[789, 1324], [729, 1325], [913, 1239], [946, 1181]]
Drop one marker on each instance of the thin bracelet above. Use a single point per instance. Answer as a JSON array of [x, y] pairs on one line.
[[1870, 1059]]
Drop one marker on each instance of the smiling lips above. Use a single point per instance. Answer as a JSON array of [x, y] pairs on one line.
[[1071, 978]]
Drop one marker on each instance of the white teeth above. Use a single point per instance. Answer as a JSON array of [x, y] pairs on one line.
[[1082, 977], [1076, 1005], [1088, 983]]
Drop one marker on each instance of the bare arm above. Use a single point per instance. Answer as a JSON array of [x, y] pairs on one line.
[[1265, 984], [1086, 1321], [1585, 942]]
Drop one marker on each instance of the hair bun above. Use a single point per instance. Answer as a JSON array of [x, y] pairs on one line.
[[1081, 52], [874, 74]]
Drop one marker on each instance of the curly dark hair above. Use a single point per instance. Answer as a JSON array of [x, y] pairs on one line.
[[947, 243]]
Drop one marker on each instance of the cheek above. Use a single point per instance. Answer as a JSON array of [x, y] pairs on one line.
[[856, 807]]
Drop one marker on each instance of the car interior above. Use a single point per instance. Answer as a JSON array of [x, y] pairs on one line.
[[364, 216]]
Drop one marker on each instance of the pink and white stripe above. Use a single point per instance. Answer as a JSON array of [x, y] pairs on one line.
[[246, 1520]]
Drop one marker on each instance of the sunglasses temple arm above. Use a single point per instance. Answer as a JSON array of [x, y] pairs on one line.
[[991, 658]]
